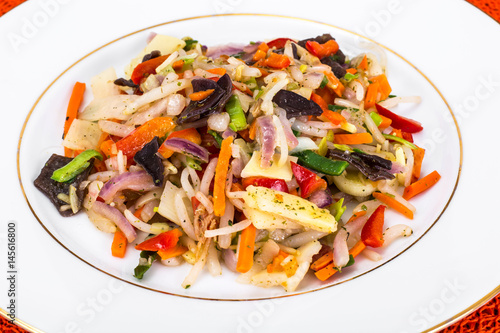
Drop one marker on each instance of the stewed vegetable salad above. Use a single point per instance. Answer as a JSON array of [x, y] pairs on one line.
[[274, 159]]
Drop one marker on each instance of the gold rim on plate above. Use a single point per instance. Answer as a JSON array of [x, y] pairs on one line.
[[447, 322]]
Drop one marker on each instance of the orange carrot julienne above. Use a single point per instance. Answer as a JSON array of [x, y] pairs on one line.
[[421, 185], [138, 213], [119, 245], [322, 261], [217, 71], [74, 104], [334, 84], [246, 248], [394, 204], [326, 259], [384, 86], [334, 117], [172, 252], [220, 176], [259, 55], [351, 70], [178, 64], [386, 122], [201, 95], [324, 273], [356, 215], [352, 139], [252, 131], [320, 101], [418, 157], [371, 95], [363, 64]]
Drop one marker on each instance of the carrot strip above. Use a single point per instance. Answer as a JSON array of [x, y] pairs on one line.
[[245, 251], [363, 64], [178, 64], [259, 55], [334, 84], [320, 101], [351, 70], [421, 185], [394, 204], [418, 157], [384, 86], [324, 273], [201, 95], [352, 139], [386, 122], [371, 95], [106, 148], [220, 176], [172, 252], [326, 259], [356, 215], [322, 262], [252, 131], [334, 117], [119, 245], [217, 71], [74, 104], [138, 212]]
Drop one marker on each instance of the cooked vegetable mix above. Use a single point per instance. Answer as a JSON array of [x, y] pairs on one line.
[[276, 158]]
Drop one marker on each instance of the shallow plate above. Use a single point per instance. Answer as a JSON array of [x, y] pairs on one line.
[[41, 138]]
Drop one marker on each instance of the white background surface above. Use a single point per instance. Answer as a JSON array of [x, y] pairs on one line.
[[454, 265]]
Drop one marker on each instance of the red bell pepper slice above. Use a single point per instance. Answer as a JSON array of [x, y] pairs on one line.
[[322, 50], [400, 122], [278, 42], [309, 182], [134, 142], [144, 69], [163, 241], [372, 233], [272, 183]]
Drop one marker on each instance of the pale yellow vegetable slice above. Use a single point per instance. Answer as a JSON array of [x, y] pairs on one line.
[[262, 220], [82, 135], [253, 169], [290, 207]]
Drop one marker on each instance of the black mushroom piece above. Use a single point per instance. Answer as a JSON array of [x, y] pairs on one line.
[[296, 105], [152, 55], [125, 83], [338, 70], [214, 103], [372, 166], [150, 161], [322, 39], [52, 188]]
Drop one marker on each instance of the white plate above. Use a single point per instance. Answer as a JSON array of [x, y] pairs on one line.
[[77, 233], [443, 295]]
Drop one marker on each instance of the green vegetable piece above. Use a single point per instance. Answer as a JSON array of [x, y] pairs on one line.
[[292, 86], [339, 209], [145, 265], [259, 94], [252, 83], [216, 136], [296, 133], [319, 163], [376, 118], [398, 139], [235, 111], [190, 43], [76, 166], [335, 107], [324, 82], [192, 163], [349, 77]]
